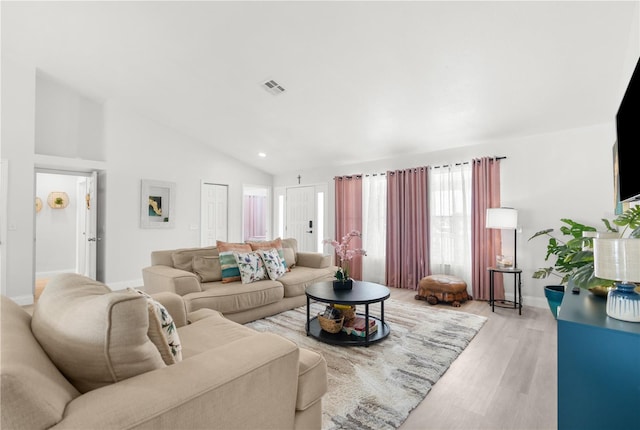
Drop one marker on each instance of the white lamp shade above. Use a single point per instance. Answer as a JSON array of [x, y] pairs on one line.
[[504, 218], [617, 259]]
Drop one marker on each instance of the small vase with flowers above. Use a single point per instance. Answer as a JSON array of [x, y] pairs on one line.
[[345, 254]]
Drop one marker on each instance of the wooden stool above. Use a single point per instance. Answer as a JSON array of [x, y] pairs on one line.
[[443, 288]]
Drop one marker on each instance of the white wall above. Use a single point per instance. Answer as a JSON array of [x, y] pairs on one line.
[[56, 228], [136, 148], [18, 100], [547, 177], [68, 124]]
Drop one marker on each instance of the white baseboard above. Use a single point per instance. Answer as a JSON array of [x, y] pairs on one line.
[[123, 285], [536, 302], [23, 300], [52, 273]]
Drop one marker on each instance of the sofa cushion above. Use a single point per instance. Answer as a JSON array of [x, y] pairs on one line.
[[312, 378], [235, 297], [34, 393], [251, 267], [289, 257], [162, 330], [207, 268], [212, 331], [228, 264], [272, 263], [293, 245], [300, 277], [183, 258], [93, 335]]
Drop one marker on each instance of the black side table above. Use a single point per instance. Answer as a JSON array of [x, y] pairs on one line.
[[517, 273]]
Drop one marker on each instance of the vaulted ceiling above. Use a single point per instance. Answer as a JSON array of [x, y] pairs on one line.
[[363, 80]]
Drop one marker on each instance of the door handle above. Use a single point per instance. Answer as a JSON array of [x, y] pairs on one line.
[[91, 239]]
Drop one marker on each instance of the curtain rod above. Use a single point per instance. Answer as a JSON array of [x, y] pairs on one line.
[[430, 167], [465, 162]]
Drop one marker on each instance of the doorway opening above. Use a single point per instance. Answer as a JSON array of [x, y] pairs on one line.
[[65, 225], [255, 213]]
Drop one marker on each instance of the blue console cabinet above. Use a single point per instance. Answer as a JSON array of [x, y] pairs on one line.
[[598, 366]]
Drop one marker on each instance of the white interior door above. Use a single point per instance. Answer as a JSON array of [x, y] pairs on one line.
[[301, 220], [91, 225], [213, 214], [87, 222]]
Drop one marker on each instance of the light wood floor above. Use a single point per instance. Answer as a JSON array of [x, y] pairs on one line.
[[505, 379]]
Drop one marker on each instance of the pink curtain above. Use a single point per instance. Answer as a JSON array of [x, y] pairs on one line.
[[407, 256], [254, 217], [348, 190], [486, 243]]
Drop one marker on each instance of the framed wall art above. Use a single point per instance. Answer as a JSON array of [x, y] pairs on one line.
[[157, 204]]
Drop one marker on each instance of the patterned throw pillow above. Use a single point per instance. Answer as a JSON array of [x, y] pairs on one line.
[[272, 263], [250, 266], [228, 264], [268, 244], [162, 330]]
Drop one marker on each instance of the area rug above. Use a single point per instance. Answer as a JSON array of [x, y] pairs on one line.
[[376, 387]]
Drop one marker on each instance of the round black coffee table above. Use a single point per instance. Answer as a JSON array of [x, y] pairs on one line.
[[362, 293]]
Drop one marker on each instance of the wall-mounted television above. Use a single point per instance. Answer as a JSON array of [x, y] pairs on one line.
[[628, 140]]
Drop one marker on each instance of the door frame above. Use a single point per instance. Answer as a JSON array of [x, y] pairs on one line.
[[247, 190], [4, 194], [280, 211], [77, 172], [203, 213]]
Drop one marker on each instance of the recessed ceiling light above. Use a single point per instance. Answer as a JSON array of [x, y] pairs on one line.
[[261, 154]]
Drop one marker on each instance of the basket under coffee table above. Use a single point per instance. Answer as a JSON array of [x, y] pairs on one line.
[[362, 293]]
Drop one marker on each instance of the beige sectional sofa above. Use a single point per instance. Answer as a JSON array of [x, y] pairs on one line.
[[181, 271], [86, 360]]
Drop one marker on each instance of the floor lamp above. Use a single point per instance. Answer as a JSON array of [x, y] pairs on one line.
[[504, 219]]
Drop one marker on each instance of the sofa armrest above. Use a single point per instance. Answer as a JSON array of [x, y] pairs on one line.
[[174, 305], [247, 384], [315, 260], [160, 278]]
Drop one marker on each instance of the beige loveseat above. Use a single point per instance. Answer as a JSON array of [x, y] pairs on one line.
[[176, 271], [85, 360]]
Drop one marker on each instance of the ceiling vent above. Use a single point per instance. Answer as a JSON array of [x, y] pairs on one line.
[[273, 87]]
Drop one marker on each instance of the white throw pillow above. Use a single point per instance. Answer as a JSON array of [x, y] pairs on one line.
[[272, 262], [251, 267], [162, 330]]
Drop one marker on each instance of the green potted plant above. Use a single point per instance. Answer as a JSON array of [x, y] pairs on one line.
[[574, 258]]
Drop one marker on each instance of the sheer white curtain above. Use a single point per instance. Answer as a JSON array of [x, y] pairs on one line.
[[450, 220], [374, 227]]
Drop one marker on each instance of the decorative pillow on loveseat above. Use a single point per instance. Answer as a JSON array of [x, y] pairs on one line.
[[272, 263], [228, 264], [269, 244], [95, 336], [251, 267]]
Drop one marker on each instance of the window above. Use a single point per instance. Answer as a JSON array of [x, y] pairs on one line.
[[450, 220]]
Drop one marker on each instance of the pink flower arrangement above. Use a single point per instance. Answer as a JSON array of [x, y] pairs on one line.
[[345, 254]]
